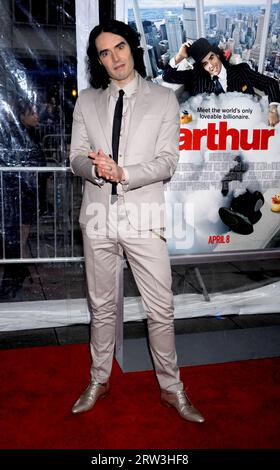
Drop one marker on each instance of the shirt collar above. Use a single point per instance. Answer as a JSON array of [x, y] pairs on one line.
[[130, 89], [223, 73]]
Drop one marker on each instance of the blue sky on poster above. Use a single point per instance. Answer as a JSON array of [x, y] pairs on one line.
[[177, 3]]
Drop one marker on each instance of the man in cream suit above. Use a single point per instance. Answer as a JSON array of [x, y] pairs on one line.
[[123, 203]]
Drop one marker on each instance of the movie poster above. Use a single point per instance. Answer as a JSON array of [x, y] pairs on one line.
[[228, 155], [225, 194]]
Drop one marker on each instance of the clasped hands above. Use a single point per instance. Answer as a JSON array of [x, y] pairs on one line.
[[106, 167]]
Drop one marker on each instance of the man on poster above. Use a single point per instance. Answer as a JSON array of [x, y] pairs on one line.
[[212, 73]]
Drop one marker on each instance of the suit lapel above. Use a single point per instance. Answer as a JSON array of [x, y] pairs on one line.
[[141, 108], [203, 84], [232, 84], [102, 114], [237, 81]]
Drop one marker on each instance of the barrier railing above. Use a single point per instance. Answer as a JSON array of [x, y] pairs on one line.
[[52, 234]]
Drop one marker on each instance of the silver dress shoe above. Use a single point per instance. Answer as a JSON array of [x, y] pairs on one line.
[[90, 396], [183, 405]]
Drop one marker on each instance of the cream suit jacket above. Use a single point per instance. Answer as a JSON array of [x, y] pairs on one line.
[[151, 153]]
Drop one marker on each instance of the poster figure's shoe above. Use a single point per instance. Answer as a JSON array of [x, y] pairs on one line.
[[183, 405], [248, 204], [90, 396], [236, 222], [243, 213]]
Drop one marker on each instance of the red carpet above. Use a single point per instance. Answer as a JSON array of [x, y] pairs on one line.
[[39, 385]]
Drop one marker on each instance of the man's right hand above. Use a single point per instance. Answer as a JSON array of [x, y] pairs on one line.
[[183, 52]]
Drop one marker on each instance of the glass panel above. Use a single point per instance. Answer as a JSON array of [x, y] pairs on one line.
[[39, 198], [235, 289], [21, 10], [53, 12], [39, 12], [242, 297]]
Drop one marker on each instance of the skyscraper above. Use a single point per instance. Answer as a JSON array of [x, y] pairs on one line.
[[255, 52], [151, 37], [190, 20], [163, 31], [278, 14], [213, 20], [260, 27], [174, 35], [222, 22]]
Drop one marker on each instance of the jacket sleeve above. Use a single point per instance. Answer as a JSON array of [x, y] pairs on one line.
[[172, 75], [264, 83], [80, 147]]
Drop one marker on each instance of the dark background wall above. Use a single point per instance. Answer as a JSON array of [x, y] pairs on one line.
[[106, 9]]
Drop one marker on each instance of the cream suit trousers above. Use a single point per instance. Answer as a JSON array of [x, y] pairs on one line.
[[148, 257]]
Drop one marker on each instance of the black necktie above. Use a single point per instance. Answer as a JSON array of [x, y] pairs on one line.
[[117, 122], [217, 87]]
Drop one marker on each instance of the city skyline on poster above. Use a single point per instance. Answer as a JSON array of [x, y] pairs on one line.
[[234, 26]]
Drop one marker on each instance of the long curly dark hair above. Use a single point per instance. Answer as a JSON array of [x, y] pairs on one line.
[[98, 76]]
